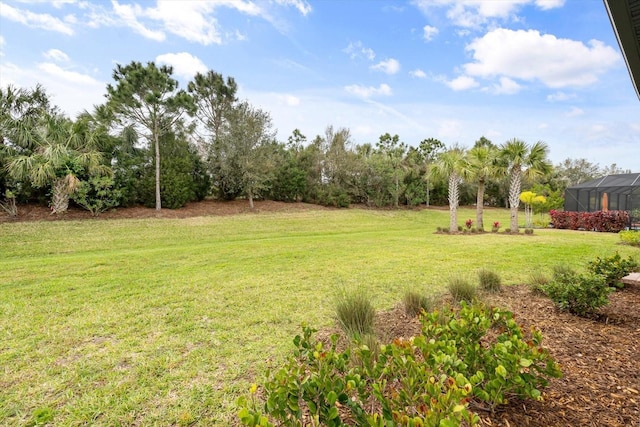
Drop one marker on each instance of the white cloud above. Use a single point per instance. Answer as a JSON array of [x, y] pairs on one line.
[[129, 16], [390, 66], [303, 7], [462, 83], [56, 55], [429, 32], [474, 13], [357, 50], [575, 112], [529, 55], [368, 91], [449, 129], [289, 100], [35, 20], [69, 76], [192, 20], [507, 86], [184, 64], [418, 73], [560, 96], [549, 4]]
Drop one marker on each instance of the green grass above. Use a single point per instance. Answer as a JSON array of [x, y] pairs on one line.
[[167, 322]]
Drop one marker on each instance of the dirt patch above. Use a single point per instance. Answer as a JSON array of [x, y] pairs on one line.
[[195, 209]]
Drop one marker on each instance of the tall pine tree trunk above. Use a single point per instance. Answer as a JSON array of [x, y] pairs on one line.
[[480, 205], [453, 202], [157, 147], [514, 197]]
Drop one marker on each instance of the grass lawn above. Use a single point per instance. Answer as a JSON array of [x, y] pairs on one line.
[[167, 322]]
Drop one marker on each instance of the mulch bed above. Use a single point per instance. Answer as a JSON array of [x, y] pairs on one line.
[[599, 359]]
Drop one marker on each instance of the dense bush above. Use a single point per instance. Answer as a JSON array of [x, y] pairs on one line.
[[97, 195], [613, 268], [424, 381], [580, 294], [609, 221], [630, 237]]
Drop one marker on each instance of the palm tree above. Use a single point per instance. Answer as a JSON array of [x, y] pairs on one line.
[[61, 150], [482, 165], [519, 159], [452, 165]]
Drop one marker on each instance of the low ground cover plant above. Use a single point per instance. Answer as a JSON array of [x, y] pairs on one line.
[[630, 237], [434, 379]]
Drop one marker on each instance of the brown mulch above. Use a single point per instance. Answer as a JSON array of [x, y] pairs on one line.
[[194, 209], [599, 358]]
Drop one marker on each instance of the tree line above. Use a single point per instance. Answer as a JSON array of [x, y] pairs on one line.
[[155, 144]]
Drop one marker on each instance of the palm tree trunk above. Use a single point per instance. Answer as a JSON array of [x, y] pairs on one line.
[[514, 197], [60, 197], [480, 205], [453, 202]]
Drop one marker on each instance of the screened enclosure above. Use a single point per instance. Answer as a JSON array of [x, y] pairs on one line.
[[612, 192]]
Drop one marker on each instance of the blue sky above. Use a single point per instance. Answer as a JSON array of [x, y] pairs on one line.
[[548, 70]]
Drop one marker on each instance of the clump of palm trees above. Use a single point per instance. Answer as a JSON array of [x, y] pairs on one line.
[[515, 160]]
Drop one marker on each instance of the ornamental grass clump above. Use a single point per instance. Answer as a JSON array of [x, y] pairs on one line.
[[415, 303], [355, 314], [461, 289], [489, 280]]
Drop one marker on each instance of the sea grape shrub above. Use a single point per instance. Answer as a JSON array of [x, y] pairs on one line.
[[428, 380], [506, 366], [613, 268], [609, 221]]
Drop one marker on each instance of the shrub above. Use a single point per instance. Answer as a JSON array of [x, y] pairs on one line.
[[609, 221], [97, 195], [507, 230], [613, 268], [528, 231], [580, 294], [468, 223], [427, 380], [489, 280], [459, 228], [630, 237], [355, 314], [445, 229], [415, 302], [461, 289], [439, 229], [495, 227]]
